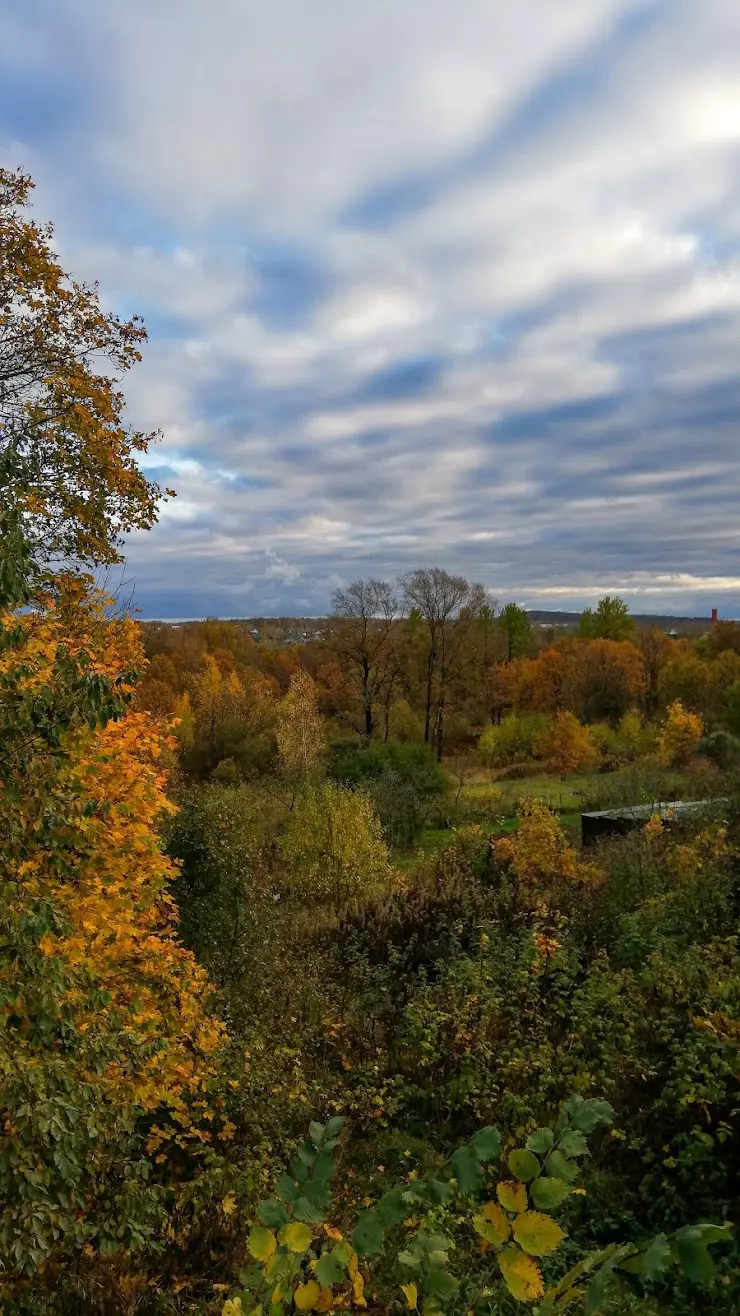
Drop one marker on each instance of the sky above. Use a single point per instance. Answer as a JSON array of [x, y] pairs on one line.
[[427, 283]]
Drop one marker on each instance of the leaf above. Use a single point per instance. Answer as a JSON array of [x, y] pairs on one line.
[[597, 1288], [572, 1143], [523, 1165], [298, 1170], [466, 1170], [318, 1193], [317, 1133], [392, 1208], [286, 1188], [324, 1166], [325, 1300], [228, 1205], [261, 1243], [558, 1166], [411, 1294], [522, 1275], [656, 1259], [492, 1224], [438, 1192], [439, 1282], [368, 1235], [306, 1210], [307, 1295], [588, 1115], [358, 1290], [537, 1233], [588, 1264], [512, 1196], [486, 1143], [540, 1141], [410, 1259], [307, 1154], [328, 1269], [335, 1126], [296, 1237], [272, 1213], [547, 1194], [695, 1261]]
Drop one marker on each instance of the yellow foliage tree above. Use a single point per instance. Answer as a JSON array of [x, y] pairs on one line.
[[567, 745], [679, 735], [538, 854], [300, 732], [332, 847], [108, 1051]]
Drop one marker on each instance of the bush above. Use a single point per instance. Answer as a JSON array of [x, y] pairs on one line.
[[404, 783], [514, 741], [722, 748]]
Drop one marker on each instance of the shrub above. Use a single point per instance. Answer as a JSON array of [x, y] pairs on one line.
[[514, 741], [332, 847]]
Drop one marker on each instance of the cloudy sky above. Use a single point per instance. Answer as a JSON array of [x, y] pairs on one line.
[[427, 282]]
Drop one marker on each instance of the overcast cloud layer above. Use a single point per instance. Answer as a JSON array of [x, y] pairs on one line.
[[426, 283]]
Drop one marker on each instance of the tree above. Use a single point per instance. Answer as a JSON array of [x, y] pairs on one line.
[[609, 680], [300, 730], [516, 629], [448, 607], [366, 615], [332, 847], [611, 621], [656, 649], [68, 467], [567, 745], [679, 735]]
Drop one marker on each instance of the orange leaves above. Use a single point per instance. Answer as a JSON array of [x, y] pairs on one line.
[[539, 855], [680, 735]]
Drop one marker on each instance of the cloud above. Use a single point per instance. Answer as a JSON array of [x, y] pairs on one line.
[[460, 286]]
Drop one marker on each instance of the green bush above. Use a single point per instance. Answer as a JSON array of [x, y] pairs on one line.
[[514, 741]]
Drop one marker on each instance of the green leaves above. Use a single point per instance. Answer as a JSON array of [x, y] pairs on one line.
[[368, 1234], [588, 1115], [261, 1243], [329, 1268], [540, 1141], [272, 1213], [656, 1259], [286, 1188], [548, 1194], [558, 1166], [466, 1170], [392, 1208], [573, 1143], [486, 1144], [523, 1165]]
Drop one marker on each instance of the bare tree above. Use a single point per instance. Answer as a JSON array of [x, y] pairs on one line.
[[447, 605], [366, 614]]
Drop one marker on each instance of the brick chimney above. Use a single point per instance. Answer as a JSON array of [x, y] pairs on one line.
[[714, 614]]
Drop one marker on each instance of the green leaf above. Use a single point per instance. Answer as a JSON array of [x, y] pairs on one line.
[[695, 1261], [331, 1143], [588, 1115], [307, 1211], [368, 1235], [540, 1141], [324, 1166], [597, 1288], [548, 1194], [439, 1282], [317, 1133], [318, 1193], [558, 1166], [438, 1192], [335, 1126], [656, 1259], [713, 1233], [272, 1213], [410, 1259], [307, 1153], [572, 1143], [392, 1208], [328, 1270], [523, 1165], [466, 1170], [298, 1170], [486, 1143]]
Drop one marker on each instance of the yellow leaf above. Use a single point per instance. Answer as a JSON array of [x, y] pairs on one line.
[[228, 1205], [358, 1290], [522, 1275], [537, 1233], [411, 1295], [307, 1295], [261, 1243], [512, 1196], [232, 1307], [492, 1224], [325, 1299], [296, 1236]]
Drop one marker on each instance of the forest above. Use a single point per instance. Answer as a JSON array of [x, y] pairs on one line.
[[312, 997]]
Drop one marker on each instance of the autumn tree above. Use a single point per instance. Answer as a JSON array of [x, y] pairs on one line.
[[68, 463], [365, 616], [609, 680], [679, 735], [448, 607], [300, 734], [567, 745], [332, 846], [610, 621]]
